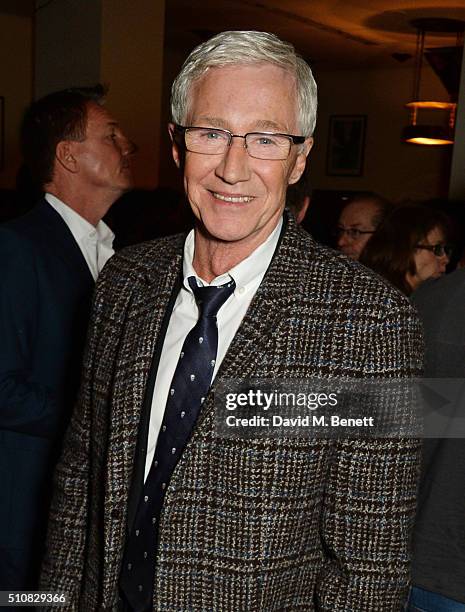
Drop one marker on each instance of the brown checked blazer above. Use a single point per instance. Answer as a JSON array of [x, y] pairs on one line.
[[247, 525]]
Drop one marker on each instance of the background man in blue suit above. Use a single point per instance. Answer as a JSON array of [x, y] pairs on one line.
[[49, 260]]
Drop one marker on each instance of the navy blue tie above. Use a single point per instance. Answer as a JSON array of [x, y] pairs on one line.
[[191, 382]]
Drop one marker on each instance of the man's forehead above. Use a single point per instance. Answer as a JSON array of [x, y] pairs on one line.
[[97, 114], [264, 92], [259, 124], [359, 212]]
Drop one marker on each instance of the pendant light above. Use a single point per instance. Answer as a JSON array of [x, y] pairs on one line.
[[438, 132]]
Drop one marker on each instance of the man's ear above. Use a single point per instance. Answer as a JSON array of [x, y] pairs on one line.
[[66, 155], [176, 150], [301, 160]]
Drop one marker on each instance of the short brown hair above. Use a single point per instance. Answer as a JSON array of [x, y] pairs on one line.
[[58, 116]]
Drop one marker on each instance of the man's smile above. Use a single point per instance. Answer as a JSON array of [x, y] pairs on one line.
[[234, 199]]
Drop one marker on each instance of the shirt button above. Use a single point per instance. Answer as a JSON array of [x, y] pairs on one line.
[[241, 290]]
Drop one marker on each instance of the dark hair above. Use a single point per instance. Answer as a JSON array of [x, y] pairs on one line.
[[384, 207], [391, 249], [58, 116]]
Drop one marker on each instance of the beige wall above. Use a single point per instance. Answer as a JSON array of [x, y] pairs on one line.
[[67, 45], [394, 169], [132, 64], [170, 175], [15, 86]]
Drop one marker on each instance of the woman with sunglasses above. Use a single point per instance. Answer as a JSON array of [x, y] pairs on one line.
[[409, 247]]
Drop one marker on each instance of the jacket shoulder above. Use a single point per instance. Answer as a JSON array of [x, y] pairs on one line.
[[348, 281], [448, 287], [144, 259]]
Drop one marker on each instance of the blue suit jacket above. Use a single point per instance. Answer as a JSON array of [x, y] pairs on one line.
[[45, 293]]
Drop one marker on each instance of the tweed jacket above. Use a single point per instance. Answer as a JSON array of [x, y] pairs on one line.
[[247, 525]]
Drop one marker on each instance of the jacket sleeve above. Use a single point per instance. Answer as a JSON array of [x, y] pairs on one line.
[[371, 492], [25, 406]]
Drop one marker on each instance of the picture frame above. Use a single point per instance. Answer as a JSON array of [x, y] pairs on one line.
[[346, 145]]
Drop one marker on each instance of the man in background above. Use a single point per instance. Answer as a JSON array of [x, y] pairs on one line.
[[49, 261], [358, 221]]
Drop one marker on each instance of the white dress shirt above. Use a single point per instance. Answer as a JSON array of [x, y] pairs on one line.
[[248, 275], [95, 242]]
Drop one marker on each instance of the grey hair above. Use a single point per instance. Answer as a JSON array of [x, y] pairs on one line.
[[246, 47]]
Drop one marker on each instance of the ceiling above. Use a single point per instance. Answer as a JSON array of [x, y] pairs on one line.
[[329, 33]]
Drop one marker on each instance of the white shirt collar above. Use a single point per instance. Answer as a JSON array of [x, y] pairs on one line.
[[80, 227], [245, 273]]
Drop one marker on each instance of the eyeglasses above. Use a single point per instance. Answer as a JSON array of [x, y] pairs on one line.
[[352, 232], [261, 145], [437, 249]]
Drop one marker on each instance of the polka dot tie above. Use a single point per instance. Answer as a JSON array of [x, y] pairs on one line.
[[190, 384]]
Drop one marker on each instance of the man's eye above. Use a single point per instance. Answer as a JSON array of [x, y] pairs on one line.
[[213, 135], [265, 140]]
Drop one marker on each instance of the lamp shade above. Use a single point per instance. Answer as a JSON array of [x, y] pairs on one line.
[[433, 135]]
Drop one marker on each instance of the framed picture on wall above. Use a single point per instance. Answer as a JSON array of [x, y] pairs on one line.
[[346, 144], [2, 133]]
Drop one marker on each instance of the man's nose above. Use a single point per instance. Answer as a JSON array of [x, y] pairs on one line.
[[343, 239], [235, 163], [128, 147]]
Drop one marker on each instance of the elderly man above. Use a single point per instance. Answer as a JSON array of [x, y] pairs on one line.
[[156, 510], [49, 260], [358, 221]]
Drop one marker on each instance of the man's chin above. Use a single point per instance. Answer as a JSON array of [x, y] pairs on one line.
[[219, 233]]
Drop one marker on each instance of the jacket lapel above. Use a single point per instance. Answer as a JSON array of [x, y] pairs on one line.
[[58, 235], [149, 301], [269, 308]]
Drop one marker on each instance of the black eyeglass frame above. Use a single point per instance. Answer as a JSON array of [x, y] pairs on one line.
[[352, 232], [437, 249], [182, 129]]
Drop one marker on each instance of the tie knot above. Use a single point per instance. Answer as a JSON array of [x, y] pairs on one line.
[[210, 299]]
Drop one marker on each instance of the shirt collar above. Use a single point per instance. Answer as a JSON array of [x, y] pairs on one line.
[[80, 227], [245, 273]]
